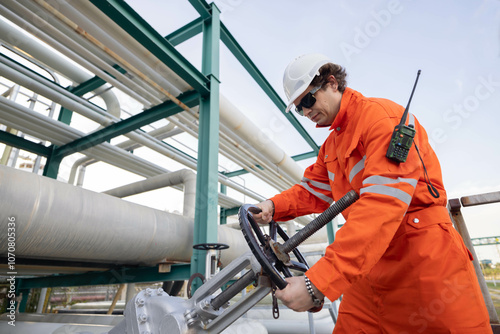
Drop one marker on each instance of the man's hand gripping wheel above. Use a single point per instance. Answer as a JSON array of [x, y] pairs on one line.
[[272, 255]]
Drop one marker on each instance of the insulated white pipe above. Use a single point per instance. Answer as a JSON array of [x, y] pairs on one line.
[[127, 145], [259, 198], [79, 224], [232, 153], [18, 14], [13, 36], [17, 74], [40, 126], [272, 180], [36, 50], [253, 136], [121, 43], [25, 78], [183, 176], [90, 26]]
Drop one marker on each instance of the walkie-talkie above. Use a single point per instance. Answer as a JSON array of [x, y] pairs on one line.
[[402, 137]]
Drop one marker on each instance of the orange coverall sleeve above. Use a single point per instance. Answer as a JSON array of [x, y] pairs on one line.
[[386, 192]]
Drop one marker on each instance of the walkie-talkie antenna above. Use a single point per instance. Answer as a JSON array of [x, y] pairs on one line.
[[405, 114]]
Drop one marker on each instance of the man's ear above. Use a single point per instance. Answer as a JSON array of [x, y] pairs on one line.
[[333, 82]]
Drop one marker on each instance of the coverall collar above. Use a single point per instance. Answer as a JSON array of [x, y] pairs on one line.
[[340, 121]]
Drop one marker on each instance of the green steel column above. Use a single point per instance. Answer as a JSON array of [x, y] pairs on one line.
[[205, 220], [52, 165]]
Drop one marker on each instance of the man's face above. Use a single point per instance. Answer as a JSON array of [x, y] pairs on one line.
[[327, 104]]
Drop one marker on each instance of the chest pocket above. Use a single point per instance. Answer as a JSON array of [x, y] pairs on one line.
[[355, 163], [332, 167]]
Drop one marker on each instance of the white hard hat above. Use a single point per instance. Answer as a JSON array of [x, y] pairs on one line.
[[300, 73]]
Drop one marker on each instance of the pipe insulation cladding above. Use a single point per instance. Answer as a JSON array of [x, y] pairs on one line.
[[236, 121], [55, 220]]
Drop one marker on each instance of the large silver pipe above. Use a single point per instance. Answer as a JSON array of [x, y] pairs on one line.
[[40, 126], [79, 224]]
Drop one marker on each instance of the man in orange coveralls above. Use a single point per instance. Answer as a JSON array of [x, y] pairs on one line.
[[398, 261]]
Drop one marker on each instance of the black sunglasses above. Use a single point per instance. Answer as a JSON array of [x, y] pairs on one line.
[[307, 101]]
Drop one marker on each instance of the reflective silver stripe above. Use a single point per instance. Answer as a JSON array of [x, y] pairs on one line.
[[375, 179], [317, 184], [389, 191], [317, 194], [331, 176], [357, 168]]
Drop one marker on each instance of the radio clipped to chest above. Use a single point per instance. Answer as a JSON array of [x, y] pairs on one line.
[[401, 141], [402, 136]]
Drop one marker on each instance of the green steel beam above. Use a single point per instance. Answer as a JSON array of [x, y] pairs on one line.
[[65, 116], [23, 144], [304, 156], [232, 211], [249, 65], [87, 86], [205, 220], [166, 109], [93, 83], [114, 276], [235, 173], [239, 172], [297, 157], [186, 32], [202, 8], [123, 15]]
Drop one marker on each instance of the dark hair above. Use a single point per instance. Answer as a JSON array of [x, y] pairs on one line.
[[331, 69]]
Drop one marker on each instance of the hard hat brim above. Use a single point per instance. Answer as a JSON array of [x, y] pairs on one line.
[[295, 95]]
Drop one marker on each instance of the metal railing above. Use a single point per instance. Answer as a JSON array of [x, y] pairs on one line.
[[454, 206]]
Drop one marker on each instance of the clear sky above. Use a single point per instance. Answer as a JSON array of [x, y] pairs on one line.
[[382, 44]]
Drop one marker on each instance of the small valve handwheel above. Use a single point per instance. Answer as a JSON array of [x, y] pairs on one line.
[[209, 246], [262, 245]]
